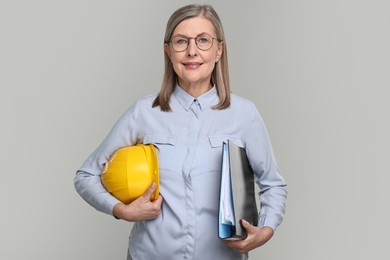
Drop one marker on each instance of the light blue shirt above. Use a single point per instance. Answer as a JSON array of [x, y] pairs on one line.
[[189, 148]]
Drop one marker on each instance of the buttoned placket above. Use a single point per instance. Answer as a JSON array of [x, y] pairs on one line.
[[195, 107], [193, 135]]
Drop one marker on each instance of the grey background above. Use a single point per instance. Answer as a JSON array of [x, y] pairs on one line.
[[317, 70]]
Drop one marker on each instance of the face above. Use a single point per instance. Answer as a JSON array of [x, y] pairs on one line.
[[194, 66]]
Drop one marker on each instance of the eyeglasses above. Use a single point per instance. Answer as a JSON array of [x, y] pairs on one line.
[[203, 41]]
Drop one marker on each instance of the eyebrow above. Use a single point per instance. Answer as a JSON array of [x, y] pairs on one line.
[[183, 35]]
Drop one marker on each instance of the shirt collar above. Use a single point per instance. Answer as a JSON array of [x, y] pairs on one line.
[[205, 100]]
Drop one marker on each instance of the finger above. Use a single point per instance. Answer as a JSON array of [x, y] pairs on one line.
[[149, 192], [159, 200], [238, 245], [157, 205], [246, 225]]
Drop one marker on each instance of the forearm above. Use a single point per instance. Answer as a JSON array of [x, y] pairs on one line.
[[272, 206], [90, 188]]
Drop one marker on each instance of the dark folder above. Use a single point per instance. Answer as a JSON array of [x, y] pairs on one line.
[[237, 193]]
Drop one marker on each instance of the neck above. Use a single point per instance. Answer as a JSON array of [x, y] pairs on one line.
[[195, 89]]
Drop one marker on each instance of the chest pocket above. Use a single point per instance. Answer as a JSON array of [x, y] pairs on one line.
[[165, 146], [215, 143]]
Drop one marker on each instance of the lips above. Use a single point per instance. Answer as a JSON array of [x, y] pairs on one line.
[[192, 65]]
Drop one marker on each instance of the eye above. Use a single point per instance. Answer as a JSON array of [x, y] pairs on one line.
[[203, 39], [180, 41]]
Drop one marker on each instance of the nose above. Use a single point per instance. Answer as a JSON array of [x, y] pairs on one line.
[[192, 49]]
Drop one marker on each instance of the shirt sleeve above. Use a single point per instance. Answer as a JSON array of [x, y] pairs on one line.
[[273, 188], [88, 178]]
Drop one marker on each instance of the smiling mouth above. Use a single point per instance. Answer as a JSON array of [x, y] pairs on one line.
[[192, 65]]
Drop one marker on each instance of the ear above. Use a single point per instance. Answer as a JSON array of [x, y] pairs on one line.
[[167, 50], [220, 50]]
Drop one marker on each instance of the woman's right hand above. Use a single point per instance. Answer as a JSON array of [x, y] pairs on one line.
[[140, 209]]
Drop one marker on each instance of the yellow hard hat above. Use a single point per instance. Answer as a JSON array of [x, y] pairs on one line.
[[130, 171]]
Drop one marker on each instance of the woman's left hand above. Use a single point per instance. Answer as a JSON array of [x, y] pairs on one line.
[[256, 237]]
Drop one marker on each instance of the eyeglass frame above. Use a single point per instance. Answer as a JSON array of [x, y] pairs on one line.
[[196, 43]]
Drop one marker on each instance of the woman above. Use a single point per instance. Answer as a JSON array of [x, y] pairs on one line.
[[187, 121]]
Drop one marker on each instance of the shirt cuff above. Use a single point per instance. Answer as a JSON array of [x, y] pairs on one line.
[[109, 204], [267, 221]]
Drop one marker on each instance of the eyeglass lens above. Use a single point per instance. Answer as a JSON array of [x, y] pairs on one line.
[[203, 42]]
